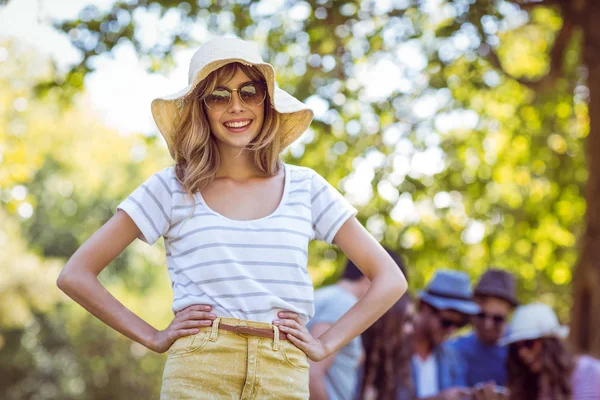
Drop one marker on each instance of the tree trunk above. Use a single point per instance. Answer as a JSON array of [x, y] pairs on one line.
[[585, 317]]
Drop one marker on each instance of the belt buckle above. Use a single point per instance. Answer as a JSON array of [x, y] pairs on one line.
[[237, 329]]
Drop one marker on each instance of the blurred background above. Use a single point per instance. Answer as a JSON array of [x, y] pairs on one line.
[[462, 130]]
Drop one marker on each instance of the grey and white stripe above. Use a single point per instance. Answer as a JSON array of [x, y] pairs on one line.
[[241, 278], [245, 295], [239, 262], [240, 246], [245, 269], [238, 229]]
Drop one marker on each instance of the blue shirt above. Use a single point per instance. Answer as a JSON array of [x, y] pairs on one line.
[[482, 362], [331, 303], [450, 371]]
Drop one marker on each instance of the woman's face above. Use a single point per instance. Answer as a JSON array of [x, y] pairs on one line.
[[530, 352], [237, 124]]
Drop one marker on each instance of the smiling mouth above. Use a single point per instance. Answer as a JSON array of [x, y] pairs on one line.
[[238, 124]]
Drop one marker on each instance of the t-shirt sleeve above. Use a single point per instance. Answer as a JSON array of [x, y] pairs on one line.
[[149, 206], [329, 209]]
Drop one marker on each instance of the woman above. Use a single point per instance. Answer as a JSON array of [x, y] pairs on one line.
[[386, 372], [236, 222], [540, 366]]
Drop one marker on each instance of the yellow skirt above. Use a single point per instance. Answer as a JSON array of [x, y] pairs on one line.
[[219, 364]]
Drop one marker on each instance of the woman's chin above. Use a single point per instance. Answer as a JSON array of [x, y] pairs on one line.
[[236, 141]]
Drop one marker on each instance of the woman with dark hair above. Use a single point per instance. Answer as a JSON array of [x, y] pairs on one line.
[[540, 366], [386, 373]]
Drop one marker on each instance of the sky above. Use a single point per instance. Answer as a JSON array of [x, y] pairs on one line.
[[120, 89]]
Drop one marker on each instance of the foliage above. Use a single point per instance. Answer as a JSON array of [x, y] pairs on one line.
[[456, 163], [58, 186]]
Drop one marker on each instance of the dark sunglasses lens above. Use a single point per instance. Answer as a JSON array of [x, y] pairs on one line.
[[253, 94], [446, 323], [528, 343], [218, 100], [498, 319], [525, 343]]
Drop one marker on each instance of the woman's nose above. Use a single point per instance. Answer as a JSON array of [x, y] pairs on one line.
[[236, 105], [523, 354]]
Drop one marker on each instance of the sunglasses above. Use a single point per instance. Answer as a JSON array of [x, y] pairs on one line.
[[251, 94], [449, 323], [525, 343], [498, 319], [446, 323]]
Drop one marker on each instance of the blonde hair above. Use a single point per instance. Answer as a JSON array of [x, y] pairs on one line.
[[196, 153]]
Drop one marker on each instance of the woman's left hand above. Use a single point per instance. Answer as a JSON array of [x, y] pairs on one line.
[[298, 334]]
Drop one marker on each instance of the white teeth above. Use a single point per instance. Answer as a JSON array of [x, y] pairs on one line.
[[240, 124]]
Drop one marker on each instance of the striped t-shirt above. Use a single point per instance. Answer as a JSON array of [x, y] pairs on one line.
[[586, 379], [244, 269]]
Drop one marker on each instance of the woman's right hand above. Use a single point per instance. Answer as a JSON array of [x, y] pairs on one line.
[[186, 322]]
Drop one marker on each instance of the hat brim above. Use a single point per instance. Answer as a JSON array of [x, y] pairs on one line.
[[499, 294], [562, 332], [444, 303], [295, 116]]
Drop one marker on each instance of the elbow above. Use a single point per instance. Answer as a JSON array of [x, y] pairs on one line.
[[392, 282], [399, 285], [402, 285], [66, 281], [63, 281]]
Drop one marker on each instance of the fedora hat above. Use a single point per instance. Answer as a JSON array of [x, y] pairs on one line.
[[497, 283], [450, 290], [166, 110]]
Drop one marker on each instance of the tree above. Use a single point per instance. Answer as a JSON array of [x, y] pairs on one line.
[[485, 90], [58, 185], [585, 322], [578, 75], [471, 154]]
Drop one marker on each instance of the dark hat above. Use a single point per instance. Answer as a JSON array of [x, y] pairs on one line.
[[497, 283], [450, 290]]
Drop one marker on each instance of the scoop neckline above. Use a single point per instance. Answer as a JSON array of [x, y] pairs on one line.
[[286, 185]]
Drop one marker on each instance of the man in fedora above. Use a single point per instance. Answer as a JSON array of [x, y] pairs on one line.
[[444, 306], [483, 356]]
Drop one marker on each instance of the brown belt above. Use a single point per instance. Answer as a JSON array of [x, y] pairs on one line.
[[248, 330]]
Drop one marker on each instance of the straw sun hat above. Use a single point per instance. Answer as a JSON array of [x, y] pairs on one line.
[[295, 115]]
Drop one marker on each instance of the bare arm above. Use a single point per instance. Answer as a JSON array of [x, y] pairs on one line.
[[318, 369], [387, 286], [79, 280]]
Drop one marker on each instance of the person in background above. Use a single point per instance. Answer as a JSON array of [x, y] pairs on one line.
[[335, 377], [483, 357], [386, 372], [540, 366], [444, 306]]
